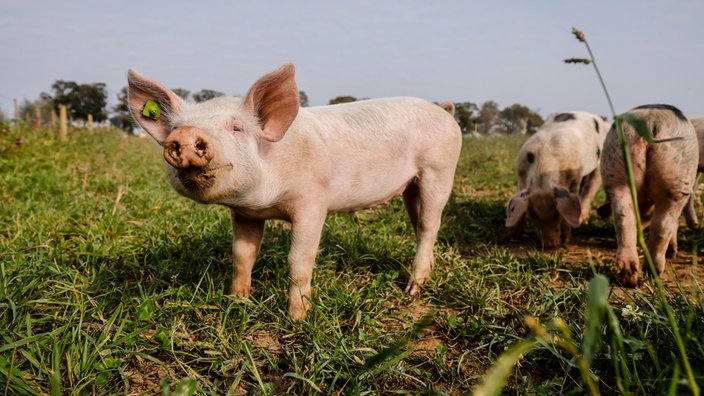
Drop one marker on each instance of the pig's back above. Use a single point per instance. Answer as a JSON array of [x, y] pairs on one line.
[[561, 148], [375, 148]]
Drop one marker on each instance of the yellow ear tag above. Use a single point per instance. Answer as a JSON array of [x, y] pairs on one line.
[[151, 110]]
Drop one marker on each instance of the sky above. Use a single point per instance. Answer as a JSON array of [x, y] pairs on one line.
[[648, 51]]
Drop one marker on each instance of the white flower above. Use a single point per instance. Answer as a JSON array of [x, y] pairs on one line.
[[631, 313]]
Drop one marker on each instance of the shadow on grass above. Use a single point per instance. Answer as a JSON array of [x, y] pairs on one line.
[[474, 222], [163, 263]]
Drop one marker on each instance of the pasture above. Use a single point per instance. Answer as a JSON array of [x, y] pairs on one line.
[[111, 283]]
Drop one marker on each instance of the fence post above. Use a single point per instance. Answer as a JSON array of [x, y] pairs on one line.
[[90, 123], [38, 120], [62, 120], [17, 108]]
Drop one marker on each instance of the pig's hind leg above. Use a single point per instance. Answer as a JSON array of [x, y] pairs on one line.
[[424, 201], [627, 261], [663, 232], [662, 237]]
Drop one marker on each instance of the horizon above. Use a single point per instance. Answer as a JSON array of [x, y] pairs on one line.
[[457, 51]]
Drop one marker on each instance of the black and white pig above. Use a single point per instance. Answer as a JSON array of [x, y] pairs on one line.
[[558, 176], [664, 175], [263, 157]]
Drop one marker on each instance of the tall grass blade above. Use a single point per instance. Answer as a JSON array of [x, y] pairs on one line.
[[56, 370], [253, 366], [495, 380], [638, 125], [597, 307]]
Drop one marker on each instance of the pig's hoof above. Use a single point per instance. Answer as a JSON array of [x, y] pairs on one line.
[[239, 291], [297, 311], [412, 288], [627, 278], [628, 270], [297, 316]]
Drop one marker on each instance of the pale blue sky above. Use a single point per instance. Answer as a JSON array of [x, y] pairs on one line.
[[461, 50]]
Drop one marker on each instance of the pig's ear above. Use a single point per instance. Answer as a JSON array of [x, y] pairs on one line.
[[274, 100], [568, 206], [152, 105], [516, 209]]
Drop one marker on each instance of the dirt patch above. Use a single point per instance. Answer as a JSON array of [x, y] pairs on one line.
[[263, 339], [584, 248], [144, 376]]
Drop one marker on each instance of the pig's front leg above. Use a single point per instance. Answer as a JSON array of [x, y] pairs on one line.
[[591, 184], [627, 262], [247, 238], [306, 228]]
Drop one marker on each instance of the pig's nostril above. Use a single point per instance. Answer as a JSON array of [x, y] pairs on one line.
[[201, 148], [174, 150]]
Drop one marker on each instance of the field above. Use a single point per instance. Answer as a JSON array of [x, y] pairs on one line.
[[111, 283]]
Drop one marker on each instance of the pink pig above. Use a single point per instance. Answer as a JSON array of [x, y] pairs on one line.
[[265, 158], [664, 175]]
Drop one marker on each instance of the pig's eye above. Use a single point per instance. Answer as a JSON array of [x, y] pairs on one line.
[[236, 125]]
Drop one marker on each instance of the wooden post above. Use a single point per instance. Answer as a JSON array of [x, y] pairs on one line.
[[38, 120], [90, 123], [53, 120], [62, 120]]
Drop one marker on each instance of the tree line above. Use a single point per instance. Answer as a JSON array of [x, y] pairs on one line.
[[84, 99]]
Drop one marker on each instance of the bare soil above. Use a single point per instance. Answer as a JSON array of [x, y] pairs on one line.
[[584, 247]]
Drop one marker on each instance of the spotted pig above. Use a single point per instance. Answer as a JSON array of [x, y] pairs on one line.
[[558, 175], [664, 174], [690, 214]]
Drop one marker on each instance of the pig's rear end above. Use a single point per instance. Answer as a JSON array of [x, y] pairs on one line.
[[664, 173]]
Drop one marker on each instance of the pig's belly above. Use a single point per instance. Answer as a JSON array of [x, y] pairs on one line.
[[356, 193]]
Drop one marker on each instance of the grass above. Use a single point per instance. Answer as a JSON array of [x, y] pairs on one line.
[[110, 283]]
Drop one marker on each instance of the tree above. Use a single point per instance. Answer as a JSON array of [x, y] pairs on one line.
[[183, 93], [123, 117], [488, 120], [519, 119], [343, 99], [79, 99], [302, 99], [94, 99], [464, 114], [206, 94], [37, 112]]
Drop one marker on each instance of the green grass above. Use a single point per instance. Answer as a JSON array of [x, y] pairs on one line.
[[111, 283]]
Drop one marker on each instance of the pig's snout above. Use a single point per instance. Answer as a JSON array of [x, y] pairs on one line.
[[188, 147]]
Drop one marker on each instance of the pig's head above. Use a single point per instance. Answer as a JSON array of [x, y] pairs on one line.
[[214, 149], [552, 212]]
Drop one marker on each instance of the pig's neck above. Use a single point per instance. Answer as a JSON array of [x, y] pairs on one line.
[[269, 196]]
